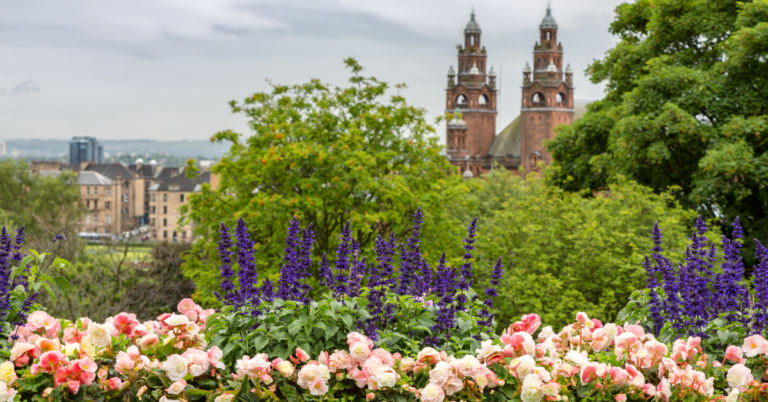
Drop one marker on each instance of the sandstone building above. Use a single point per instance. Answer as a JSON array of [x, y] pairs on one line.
[[472, 144], [166, 199]]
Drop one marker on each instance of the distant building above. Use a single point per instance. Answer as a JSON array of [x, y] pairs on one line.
[[2, 148], [101, 196], [473, 145], [166, 198], [85, 149]]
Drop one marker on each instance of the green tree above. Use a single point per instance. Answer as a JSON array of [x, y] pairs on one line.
[[45, 205], [326, 155], [686, 106], [564, 252]]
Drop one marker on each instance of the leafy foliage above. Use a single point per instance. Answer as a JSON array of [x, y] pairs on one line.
[[326, 156], [567, 252], [686, 106], [45, 205]]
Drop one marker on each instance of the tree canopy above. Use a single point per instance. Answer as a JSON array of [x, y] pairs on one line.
[[564, 252], [327, 156], [46, 205], [686, 105]]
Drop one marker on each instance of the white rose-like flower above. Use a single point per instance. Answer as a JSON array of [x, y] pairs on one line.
[[6, 395], [177, 387], [7, 373], [100, 335], [175, 367], [739, 376], [733, 396], [386, 377], [176, 320], [523, 366], [224, 398], [532, 391], [546, 332], [286, 368], [432, 393]]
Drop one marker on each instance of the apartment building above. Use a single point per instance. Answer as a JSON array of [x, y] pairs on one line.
[[166, 199], [101, 196]]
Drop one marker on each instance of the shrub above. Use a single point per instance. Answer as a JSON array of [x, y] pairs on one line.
[[568, 252]]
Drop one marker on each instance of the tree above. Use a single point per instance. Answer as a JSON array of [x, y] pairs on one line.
[[327, 156], [46, 205], [686, 106], [564, 252]]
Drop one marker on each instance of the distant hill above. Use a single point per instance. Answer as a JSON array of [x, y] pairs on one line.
[[40, 148]]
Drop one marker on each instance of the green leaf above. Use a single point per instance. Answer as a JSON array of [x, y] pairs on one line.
[[260, 342], [464, 325], [347, 320], [295, 326], [289, 392], [62, 284], [49, 290]]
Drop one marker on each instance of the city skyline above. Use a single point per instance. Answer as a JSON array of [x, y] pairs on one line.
[[145, 72]]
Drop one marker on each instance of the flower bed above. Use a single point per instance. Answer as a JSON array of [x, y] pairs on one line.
[[168, 360], [415, 333]]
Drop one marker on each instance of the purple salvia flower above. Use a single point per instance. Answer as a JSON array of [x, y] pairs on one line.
[[445, 321], [229, 296], [486, 315], [305, 264], [325, 274], [761, 288], [342, 264], [411, 262], [287, 285], [465, 278], [247, 273]]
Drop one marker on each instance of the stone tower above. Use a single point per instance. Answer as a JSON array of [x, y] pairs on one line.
[[473, 93], [547, 95]]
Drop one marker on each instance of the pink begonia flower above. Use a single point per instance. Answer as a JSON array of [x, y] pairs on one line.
[[73, 386], [734, 354], [197, 360], [370, 396], [205, 314], [624, 343], [186, 305], [359, 377], [323, 359], [341, 360], [596, 323], [582, 318], [385, 357], [635, 329], [739, 376], [599, 339], [528, 323], [124, 365], [355, 337], [214, 357], [621, 398], [664, 389], [432, 393], [315, 378], [754, 345], [124, 323], [148, 341], [177, 387], [359, 351], [114, 383], [302, 355]]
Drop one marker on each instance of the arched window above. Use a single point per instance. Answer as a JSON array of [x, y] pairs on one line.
[[538, 98], [549, 35], [560, 99], [482, 100], [461, 100]]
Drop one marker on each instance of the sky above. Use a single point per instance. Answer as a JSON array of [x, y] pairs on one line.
[[166, 69]]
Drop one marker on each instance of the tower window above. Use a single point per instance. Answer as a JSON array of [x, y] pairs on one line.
[[461, 100], [538, 97], [560, 99], [482, 100]]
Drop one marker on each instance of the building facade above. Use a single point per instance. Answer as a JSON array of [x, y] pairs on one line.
[[165, 202], [472, 144], [101, 197], [85, 149]]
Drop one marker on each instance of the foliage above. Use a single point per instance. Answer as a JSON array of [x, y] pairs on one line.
[[707, 295], [22, 277], [370, 298], [326, 156], [45, 205], [567, 252], [686, 106], [120, 276]]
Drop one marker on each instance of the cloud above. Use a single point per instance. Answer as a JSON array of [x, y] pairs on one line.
[[26, 86]]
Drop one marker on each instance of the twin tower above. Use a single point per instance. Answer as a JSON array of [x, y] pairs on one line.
[[472, 143]]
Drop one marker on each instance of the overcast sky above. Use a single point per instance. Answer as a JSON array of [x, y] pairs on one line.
[[165, 69]]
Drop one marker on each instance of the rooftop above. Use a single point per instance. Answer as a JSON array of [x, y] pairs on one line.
[[88, 178]]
